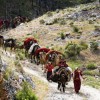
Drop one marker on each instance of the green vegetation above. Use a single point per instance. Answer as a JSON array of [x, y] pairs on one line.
[[20, 55], [71, 24], [62, 22], [94, 45], [92, 81], [34, 8], [83, 45], [49, 14], [91, 22], [91, 66], [7, 73], [74, 63], [42, 21], [75, 29], [91, 72], [62, 36], [26, 93], [72, 50]]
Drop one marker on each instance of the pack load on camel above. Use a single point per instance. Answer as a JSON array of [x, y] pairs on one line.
[[27, 44], [27, 40], [54, 57], [62, 74], [34, 47], [40, 55]]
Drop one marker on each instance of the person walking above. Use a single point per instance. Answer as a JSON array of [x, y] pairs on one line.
[[49, 67], [77, 79]]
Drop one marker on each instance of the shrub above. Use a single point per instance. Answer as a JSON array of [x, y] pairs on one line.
[[7, 73], [26, 93], [71, 24], [62, 36], [75, 29], [94, 45], [62, 22], [97, 27], [90, 22], [56, 20], [91, 66], [42, 21], [72, 50], [49, 14], [57, 10], [83, 45], [91, 73], [20, 55]]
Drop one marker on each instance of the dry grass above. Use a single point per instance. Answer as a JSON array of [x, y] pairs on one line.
[[91, 57], [41, 88]]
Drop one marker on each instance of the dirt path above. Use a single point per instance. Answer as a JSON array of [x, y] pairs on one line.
[[86, 92]]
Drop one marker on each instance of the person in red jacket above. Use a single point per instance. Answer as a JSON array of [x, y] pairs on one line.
[[77, 80], [49, 68]]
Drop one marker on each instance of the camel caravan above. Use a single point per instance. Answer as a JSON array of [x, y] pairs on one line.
[[52, 61], [5, 24]]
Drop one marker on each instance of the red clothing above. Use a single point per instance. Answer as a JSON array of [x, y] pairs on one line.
[[49, 67], [42, 50], [77, 80], [28, 40], [1, 23], [62, 64]]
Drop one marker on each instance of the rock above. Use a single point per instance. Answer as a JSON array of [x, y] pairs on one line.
[[96, 33], [29, 80], [67, 34]]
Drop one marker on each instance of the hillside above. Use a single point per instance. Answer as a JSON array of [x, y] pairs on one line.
[[33, 8], [79, 25], [86, 23]]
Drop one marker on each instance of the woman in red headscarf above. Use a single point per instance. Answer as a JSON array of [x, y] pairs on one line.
[[77, 79], [49, 67]]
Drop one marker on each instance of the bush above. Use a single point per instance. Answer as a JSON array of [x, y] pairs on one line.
[[94, 45], [71, 24], [91, 73], [20, 55], [57, 10], [83, 45], [42, 21], [91, 66], [49, 14], [72, 50], [7, 73], [75, 29], [62, 22], [26, 93], [62, 36], [91, 22]]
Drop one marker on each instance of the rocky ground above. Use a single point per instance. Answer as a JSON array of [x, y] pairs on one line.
[[85, 18], [86, 92]]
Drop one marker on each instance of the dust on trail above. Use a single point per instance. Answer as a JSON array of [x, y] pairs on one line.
[[86, 92]]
